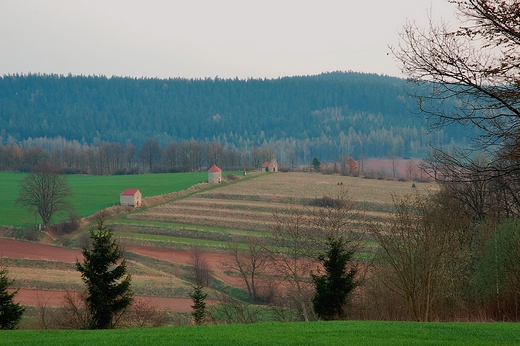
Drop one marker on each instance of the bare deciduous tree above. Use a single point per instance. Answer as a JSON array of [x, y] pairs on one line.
[[45, 192], [293, 253], [411, 170], [249, 263], [151, 153], [476, 69]]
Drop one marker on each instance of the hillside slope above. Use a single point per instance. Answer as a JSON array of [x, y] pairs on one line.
[[332, 114]]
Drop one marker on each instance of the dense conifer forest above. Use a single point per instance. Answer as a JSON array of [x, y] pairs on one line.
[[327, 115]]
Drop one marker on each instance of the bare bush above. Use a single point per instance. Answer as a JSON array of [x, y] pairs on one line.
[[231, 310], [46, 318], [75, 313], [84, 241], [232, 177], [142, 314], [201, 272], [68, 226]]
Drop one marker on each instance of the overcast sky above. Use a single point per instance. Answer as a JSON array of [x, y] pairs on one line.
[[206, 38]]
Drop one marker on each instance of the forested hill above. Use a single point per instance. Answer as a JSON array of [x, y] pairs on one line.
[[331, 114]]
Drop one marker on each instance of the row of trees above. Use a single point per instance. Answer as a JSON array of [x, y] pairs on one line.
[[114, 158], [188, 156]]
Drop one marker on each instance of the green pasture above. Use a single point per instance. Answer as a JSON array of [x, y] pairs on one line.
[[93, 193], [312, 333]]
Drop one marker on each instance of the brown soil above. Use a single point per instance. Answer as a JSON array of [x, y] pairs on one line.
[[215, 261], [22, 249], [53, 298], [178, 256]]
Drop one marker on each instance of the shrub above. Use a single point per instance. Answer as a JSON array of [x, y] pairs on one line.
[[232, 177], [68, 226], [327, 202]]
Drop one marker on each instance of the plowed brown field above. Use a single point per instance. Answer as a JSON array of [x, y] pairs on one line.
[[54, 298], [17, 249], [23, 249]]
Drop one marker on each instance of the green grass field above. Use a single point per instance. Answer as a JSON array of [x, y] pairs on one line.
[[300, 333], [93, 193]]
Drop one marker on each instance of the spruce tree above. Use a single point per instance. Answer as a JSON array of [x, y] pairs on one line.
[[103, 271], [334, 286], [316, 164], [199, 305], [10, 312]]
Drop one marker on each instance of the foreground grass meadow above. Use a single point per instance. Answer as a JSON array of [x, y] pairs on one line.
[[93, 193], [299, 333]]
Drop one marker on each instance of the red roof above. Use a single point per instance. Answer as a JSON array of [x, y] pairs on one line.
[[266, 164], [129, 192], [214, 169]]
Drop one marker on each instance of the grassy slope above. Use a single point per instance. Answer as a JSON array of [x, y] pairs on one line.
[[92, 193], [9, 213], [313, 333]]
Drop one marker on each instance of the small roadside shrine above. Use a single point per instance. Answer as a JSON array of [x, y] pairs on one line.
[[131, 197], [214, 175], [270, 166]]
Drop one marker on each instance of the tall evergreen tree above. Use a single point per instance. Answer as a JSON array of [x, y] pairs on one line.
[[10, 312], [316, 164], [103, 271], [334, 286], [199, 305]]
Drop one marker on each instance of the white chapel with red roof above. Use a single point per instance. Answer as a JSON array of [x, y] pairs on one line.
[[214, 175], [131, 197]]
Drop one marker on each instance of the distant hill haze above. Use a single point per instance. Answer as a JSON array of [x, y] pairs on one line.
[[327, 115]]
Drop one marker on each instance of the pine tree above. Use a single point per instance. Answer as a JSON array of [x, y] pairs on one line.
[[199, 305], [316, 164], [109, 292], [10, 312], [334, 286]]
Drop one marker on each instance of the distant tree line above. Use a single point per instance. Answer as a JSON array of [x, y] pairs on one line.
[[109, 158], [115, 158]]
